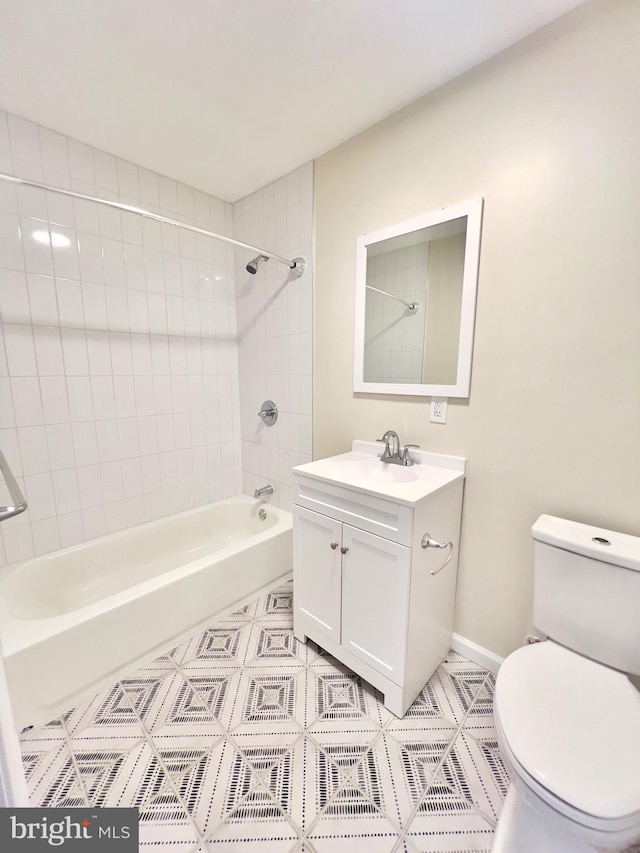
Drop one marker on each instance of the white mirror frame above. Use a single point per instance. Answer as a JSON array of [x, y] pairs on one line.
[[473, 211]]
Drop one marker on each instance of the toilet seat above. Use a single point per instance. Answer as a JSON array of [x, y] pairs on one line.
[[604, 826], [572, 727]]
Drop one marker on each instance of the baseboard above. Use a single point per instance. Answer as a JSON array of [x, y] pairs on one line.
[[475, 653]]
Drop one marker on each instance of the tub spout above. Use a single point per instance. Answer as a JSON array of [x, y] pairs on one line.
[[263, 490]]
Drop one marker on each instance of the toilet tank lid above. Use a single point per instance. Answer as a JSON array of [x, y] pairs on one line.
[[620, 549]]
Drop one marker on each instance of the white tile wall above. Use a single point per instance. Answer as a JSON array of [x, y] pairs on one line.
[[274, 331], [395, 337], [119, 392]]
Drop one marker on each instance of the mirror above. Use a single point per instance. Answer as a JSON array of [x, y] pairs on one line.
[[415, 304]]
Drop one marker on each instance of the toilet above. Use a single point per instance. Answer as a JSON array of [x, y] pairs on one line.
[[567, 716]]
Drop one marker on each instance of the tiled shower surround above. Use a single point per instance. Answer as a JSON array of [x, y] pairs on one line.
[[274, 332], [241, 738], [120, 388]]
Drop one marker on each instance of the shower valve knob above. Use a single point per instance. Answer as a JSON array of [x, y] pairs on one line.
[[268, 412]]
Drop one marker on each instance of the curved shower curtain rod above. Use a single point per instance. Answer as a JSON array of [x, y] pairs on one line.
[[411, 306], [296, 265]]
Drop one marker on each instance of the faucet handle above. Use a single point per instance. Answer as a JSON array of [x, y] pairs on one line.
[[405, 455], [386, 453]]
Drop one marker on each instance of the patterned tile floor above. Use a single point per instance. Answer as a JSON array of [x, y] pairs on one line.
[[242, 738]]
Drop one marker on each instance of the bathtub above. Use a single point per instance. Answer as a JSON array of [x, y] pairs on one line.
[[75, 620]]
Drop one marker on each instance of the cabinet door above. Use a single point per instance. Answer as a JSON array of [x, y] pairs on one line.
[[375, 600], [317, 571]]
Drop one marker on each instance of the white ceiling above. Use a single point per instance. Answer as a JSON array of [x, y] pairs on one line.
[[228, 95]]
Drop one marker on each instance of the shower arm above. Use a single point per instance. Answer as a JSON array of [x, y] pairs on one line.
[[414, 307], [297, 265]]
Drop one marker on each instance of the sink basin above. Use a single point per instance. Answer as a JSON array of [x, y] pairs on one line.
[[373, 471], [362, 471]]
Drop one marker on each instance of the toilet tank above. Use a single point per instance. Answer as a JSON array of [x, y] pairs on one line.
[[587, 590]]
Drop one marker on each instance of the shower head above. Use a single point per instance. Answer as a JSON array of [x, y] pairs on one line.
[[253, 265]]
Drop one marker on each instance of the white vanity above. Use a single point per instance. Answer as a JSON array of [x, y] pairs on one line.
[[375, 563]]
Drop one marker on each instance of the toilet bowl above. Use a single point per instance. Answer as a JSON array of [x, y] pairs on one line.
[[569, 733], [567, 716]]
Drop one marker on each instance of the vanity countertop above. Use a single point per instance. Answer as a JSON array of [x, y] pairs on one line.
[[362, 470]]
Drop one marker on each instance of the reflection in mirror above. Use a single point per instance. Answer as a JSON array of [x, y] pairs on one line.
[[415, 340], [415, 304]]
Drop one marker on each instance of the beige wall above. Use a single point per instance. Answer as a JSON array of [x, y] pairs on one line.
[[549, 135], [442, 335]]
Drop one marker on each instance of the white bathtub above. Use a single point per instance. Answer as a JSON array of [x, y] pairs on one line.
[[77, 619]]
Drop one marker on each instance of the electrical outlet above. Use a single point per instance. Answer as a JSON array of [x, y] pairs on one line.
[[438, 410]]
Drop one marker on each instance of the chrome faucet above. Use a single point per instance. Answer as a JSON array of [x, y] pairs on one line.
[[393, 451], [391, 446], [263, 490]]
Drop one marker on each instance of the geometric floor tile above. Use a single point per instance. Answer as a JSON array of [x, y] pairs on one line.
[[474, 768], [108, 710], [53, 780], [270, 697], [98, 769], [271, 645], [201, 688], [219, 644], [242, 738], [447, 823], [276, 606]]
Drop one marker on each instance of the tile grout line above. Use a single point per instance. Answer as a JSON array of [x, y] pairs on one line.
[[488, 818], [458, 728], [304, 665], [259, 783], [412, 816], [152, 745], [227, 735], [73, 759], [348, 775], [202, 841], [346, 778]]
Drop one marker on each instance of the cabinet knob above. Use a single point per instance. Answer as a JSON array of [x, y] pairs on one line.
[[344, 549], [334, 545]]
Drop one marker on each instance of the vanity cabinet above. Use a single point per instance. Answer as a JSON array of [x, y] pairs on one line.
[[353, 588], [365, 589]]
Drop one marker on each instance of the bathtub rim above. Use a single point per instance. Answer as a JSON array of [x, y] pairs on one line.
[[13, 782], [18, 634], [115, 535]]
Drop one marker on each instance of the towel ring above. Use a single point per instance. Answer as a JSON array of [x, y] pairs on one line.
[[428, 542]]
